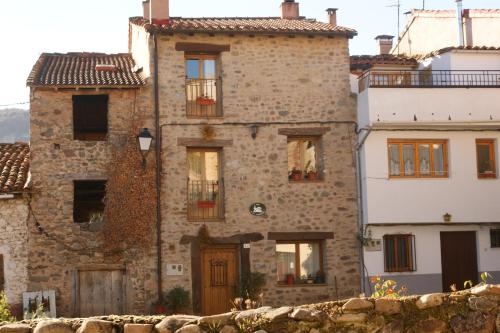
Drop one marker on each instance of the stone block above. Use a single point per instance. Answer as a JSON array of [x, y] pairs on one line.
[[497, 323], [305, 314], [278, 314], [486, 289], [15, 328], [393, 327], [138, 328], [229, 329], [352, 318], [96, 326], [388, 306], [189, 329], [481, 304], [475, 322], [431, 326], [221, 319], [357, 304], [171, 323], [429, 301], [253, 313], [52, 326]]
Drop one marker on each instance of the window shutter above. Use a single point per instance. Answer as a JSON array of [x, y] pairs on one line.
[[2, 276]]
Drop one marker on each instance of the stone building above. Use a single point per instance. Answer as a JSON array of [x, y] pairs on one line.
[[255, 129], [14, 181]]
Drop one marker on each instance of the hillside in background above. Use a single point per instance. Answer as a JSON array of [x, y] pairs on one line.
[[14, 125]]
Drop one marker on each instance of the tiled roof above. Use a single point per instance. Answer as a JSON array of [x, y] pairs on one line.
[[14, 167], [364, 62], [79, 69], [249, 25], [440, 12]]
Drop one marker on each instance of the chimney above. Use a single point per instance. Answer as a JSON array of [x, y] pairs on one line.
[[385, 43], [158, 11], [460, 23], [332, 16], [145, 8], [290, 10]]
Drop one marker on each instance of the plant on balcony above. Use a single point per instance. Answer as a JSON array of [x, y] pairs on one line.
[[206, 203], [312, 175], [205, 101], [295, 175]]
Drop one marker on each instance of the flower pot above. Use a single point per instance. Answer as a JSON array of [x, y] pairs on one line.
[[160, 309], [296, 176], [312, 175], [290, 279], [205, 101], [206, 204]]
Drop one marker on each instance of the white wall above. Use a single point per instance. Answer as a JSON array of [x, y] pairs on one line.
[[463, 195], [465, 60]]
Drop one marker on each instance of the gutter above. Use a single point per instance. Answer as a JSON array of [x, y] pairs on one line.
[[158, 167]]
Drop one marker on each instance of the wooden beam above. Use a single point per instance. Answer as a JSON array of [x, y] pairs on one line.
[[311, 131], [202, 47], [202, 143], [298, 236]]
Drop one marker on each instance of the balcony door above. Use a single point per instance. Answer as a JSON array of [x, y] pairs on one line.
[[205, 190], [201, 85]]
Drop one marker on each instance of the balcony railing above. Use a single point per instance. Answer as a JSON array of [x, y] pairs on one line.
[[429, 79], [203, 97], [205, 200]]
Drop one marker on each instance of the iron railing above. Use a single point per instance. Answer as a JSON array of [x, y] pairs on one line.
[[205, 200], [430, 79], [203, 97]]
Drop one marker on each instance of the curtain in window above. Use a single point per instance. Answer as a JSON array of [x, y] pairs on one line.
[[438, 151], [424, 155], [394, 161], [309, 260], [285, 259], [409, 159]]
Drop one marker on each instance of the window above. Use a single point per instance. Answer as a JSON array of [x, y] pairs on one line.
[[304, 159], [88, 200], [202, 86], [418, 158], [300, 262], [399, 253], [495, 237], [205, 188], [2, 274], [486, 161], [90, 117]]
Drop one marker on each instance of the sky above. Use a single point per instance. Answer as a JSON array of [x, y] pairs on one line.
[[30, 27]]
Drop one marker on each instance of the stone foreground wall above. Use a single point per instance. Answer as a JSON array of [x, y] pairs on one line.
[[475, 310]]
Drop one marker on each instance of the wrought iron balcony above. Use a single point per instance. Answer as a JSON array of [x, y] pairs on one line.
[[205, 200], [430, 79], [203, 97]]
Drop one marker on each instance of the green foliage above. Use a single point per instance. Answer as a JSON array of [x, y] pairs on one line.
[[485, 276], [39, 313], [389, 288], [250, 325], [177, 299], [251, 285], [214, 327], [5, 314]]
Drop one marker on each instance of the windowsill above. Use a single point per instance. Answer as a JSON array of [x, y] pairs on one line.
[[306, 181], [301, 285], [206, 221], [205, 117]]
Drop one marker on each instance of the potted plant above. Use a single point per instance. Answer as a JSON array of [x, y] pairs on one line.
[[290, 279], [96, 221], [310, 279], [205, 101], [177, 299], [312, 175], [206, 204], [295, 174], [320, 278]]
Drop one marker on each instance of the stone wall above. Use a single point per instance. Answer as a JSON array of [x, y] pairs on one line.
[[475, 311], [14, 247]]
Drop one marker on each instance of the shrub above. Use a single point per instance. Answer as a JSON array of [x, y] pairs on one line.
[[5, 314], [389, 288], [177, 299]]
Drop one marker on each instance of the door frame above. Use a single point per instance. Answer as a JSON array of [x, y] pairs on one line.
[[476, 255], [238, 258]]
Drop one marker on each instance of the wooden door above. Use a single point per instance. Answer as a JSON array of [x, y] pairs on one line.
[[219, 267], [100, 293], [458, 258]]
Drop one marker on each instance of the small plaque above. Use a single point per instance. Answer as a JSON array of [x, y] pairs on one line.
[[175, 269], [246, 245], [373, 245], [258, 209]]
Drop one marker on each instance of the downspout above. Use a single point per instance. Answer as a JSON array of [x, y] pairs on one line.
[[360, 206], [158, 167], [460, 23]]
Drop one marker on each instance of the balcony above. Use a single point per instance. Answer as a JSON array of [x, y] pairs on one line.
[[203, 98], [430, 79], [205, 200]]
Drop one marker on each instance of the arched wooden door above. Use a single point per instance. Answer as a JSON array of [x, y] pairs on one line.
[[219, 269]]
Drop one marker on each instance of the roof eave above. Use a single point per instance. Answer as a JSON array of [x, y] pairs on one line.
[[349, 35], [56, 86]]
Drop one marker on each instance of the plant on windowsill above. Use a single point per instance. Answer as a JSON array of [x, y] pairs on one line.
[[96, 222], [205, 101], [312, 175], [310, 279], [295, 175], [320, 278], [203, 204]]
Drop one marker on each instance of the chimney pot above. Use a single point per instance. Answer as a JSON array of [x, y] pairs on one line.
[[290, 10], [146, 10], [385, 43], [332, 16], [460, 23], [159, 11]]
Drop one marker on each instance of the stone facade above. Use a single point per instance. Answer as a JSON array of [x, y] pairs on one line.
[[14, 247]]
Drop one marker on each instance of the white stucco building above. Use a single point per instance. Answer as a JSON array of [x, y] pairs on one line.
[[428, 155]]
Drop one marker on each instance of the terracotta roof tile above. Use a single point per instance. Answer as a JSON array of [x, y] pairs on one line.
[[14, 167], [463, 48], [364, 62], [252, 25], [79, 69]]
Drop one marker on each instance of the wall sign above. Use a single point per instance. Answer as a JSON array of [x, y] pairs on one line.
[[258, 209], [175, 269]]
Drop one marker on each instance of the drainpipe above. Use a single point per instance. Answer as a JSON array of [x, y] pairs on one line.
[[460, 23], [158, 166], [360, 206]]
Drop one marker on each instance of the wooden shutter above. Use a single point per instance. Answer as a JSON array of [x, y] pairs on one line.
[[2, 274]]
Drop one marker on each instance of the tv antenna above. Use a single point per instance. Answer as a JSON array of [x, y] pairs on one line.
[[397, 5]]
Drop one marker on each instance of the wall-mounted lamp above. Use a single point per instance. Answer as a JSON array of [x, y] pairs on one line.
[[254, 129], [447, 217], [145, 138]]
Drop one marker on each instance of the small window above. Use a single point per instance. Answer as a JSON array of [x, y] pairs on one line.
[[203, 87], [495, 237], [90, 117], [399, 253], [300, 262], [2, 274], [418, 158], [304, 159], [486, 160], [88, 200]]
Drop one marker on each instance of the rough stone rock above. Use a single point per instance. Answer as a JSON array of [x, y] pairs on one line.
[[260, 331], [221, 319], [96, 326], [352, 318], [474, 322], [15, 328], [314, 330], [138, 328], [52, 326], [431, 326], [429, 301], [229, 329], [306, 314], [278, 314], [498, 323], [388, 306], [189, 329], [482, 304], [486, 289], [394, 327], [172, 323], [253, 313], [357, 304]]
